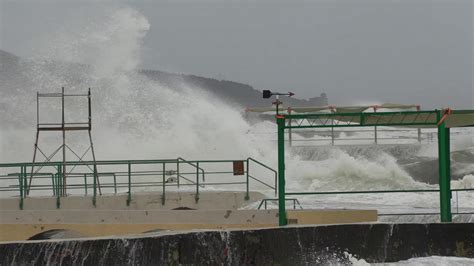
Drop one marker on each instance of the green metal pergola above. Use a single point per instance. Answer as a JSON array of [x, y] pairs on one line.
[[443, 120]]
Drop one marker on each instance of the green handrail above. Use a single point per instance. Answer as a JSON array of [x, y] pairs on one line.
[[59, 189], [294, 200], [269, 168], [179, 159]]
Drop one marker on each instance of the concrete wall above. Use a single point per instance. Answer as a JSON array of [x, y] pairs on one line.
[[140, 201], [285, 246], [21, 225]]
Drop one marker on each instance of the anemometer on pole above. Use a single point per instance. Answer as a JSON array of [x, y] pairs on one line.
[[281, 154], [267, 94]]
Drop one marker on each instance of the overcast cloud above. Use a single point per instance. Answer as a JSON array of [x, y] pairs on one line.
[[356, 51]]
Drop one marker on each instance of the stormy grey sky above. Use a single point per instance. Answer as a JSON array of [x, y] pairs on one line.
[[357, 51]]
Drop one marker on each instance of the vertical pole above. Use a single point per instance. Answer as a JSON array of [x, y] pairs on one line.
[[20, 183], [163, 183], [58, 195], [58, 180], [444, 178], [64, 143], [197, 181], [448, 168], [36, 143], [115, 183], [290, 137], [281, 171], [89, 105], [247, 196], [95, 185], [89, 108], [53, 182], [96, 177], [177, 171], [129, 197]]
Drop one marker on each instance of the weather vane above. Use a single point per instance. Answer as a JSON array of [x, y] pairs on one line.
[[267, 94]]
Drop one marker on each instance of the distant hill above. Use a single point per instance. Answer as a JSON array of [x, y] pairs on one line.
[[12, 78], [230, 91]]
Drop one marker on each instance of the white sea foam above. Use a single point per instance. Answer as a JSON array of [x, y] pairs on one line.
[[432, 261], [135, 117]]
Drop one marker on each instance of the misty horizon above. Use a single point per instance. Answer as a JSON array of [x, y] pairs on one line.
[[357, 52]]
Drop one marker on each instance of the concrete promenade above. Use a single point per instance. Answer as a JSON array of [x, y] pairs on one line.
[[180, 211]]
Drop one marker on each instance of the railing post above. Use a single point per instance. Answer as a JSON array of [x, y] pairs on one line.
[[290, 137], [59, 187], [197, 182], [281, 171], [129, 197], [163, 183], [53, 182], [85, 183], [20, 183], [444, 171], [115, 183], [177, 171], [247, 195], [94, 197]]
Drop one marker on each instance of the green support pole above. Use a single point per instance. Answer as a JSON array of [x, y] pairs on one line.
[[163, 184], [60, 187], [85, 183], [281, 171], [94, 197], [444, 178], [197, 182], [177, 172], [129, 196], [247, 197], [20, 182]]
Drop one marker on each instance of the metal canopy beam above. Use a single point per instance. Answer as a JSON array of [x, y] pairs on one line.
[[436, 119]]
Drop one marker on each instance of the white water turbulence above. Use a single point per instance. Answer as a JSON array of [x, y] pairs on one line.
[[422, 261], [135, 117]]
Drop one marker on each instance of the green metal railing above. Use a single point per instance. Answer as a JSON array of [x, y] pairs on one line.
[[129, 175], [387, 192], [293, 200]]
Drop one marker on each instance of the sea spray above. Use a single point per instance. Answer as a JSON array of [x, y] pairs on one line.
[[135, 117]]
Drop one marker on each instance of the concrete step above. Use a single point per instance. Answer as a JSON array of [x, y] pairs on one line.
[[208, 200]]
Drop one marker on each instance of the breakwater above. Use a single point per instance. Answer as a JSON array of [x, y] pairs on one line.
[[287, 246]]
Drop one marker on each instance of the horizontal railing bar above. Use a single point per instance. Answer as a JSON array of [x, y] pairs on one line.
[[378, 138], [356, 114], [359, 125], [372, 191], [212, 161], [419, 213], [361, 192], [75, 95], [133, 162]]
